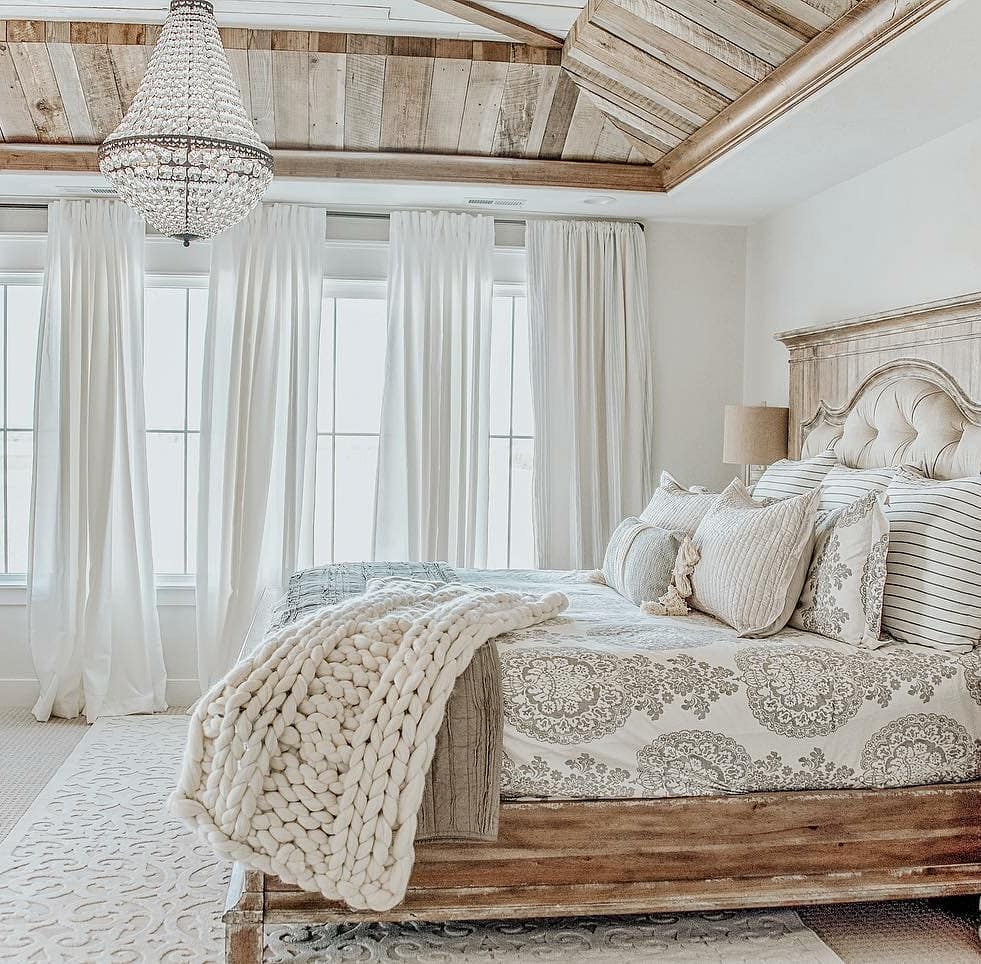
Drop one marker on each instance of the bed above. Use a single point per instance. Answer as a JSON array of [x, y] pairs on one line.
[[683, 769]]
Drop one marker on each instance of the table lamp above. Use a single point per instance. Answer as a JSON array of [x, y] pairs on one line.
[[754, 435]]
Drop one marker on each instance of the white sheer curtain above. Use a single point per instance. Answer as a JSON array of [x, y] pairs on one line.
[[591, 386], [92, 617], [431, 498], [258, 421]]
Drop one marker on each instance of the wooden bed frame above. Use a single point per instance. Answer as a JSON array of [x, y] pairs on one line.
[[705, 853]]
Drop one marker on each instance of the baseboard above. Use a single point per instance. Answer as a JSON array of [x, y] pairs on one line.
[[23, 692]]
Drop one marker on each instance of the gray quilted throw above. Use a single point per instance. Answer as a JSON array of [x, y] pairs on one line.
[[311, 589]]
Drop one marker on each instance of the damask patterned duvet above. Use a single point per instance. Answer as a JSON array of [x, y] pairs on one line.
[[608, 702]]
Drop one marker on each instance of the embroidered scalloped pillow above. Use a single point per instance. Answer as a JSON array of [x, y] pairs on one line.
[[676, 508], [639, 560], [842, 594], [753, 559]]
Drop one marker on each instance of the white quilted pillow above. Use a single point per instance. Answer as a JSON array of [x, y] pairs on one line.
[[674, 507], [753, 559]]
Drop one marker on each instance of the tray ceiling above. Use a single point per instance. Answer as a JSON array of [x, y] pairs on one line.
[[647, 92]]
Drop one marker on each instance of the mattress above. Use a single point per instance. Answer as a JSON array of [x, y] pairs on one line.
[[607, 702]]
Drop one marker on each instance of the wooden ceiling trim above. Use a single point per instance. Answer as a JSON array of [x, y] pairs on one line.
[[500, 23], [382, 166], [856, 35]]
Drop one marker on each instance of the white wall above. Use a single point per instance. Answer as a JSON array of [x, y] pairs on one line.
[[697, 300], [903, 233]]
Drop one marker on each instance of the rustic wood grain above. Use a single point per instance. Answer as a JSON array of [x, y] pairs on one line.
[[291, 98], [405, 107], [483, 106], [381, 166], [99, 87], [482, 16], [363, 97], [40, 88], [16, 123], [328, 79], [62, 57], [448, 99], [829, 362], [554, 859]]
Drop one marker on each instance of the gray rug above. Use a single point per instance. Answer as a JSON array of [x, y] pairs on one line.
[[96, 870]]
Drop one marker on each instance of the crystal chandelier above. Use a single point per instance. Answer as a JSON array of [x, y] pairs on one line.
[[186, 155]]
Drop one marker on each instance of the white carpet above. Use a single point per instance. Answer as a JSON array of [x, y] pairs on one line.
[[96, 870]]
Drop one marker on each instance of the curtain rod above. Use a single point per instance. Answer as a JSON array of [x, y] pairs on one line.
[[374, 215]]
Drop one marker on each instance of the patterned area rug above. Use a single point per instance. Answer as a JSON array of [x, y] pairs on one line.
[[96, 870]]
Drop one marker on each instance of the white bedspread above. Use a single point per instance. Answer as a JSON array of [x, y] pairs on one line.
[[606, 702]]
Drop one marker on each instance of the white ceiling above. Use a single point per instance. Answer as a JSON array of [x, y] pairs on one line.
[[921, 86], [403, 17]]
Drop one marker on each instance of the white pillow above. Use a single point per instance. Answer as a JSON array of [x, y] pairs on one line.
[[842, 595], [842, 486], [933, 571], [785, 479], [674, 507], [753, 559], [639, 560]]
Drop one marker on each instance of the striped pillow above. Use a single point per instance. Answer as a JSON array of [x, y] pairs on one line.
[[786, 478], [933, 571], [674, 507], [639, 560], [843, 486], [753, 559]]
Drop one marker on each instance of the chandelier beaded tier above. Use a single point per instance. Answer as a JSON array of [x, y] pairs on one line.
[[186, 155]]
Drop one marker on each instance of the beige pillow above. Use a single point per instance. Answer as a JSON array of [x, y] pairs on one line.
[[753, 559], [674, 507]]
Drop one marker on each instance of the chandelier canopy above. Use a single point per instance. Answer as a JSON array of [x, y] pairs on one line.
[[186, 155]]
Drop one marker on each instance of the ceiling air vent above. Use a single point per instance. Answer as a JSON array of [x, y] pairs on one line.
[[496, 202], [102, 191]]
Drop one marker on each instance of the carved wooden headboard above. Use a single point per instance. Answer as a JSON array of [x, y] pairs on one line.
[[896, 387]]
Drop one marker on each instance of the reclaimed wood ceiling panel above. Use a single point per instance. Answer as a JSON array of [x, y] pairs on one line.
[[662, 69], [687, 80], [71, 82]]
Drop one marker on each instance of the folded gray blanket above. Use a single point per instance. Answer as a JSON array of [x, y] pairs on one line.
[[463, 787]]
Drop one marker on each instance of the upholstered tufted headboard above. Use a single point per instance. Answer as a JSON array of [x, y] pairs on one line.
[[893, 388]]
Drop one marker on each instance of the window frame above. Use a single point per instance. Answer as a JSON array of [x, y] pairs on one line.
[[177, 588], [13, 585]]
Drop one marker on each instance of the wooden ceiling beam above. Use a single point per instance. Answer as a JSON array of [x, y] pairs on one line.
[[859, 33], [506, 26], [379, 166]]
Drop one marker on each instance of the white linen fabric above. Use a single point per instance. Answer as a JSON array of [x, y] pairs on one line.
[[672, 506], [933, 571], [842, 486], [639, 560], [258, 421], [433, 461], [591, 360], [788, 478], [92, 617], [606, 702], [842, 594], [309, 760], [753, 559]]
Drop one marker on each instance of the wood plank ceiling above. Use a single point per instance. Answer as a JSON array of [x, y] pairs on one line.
[[642, 94], [67, 82]]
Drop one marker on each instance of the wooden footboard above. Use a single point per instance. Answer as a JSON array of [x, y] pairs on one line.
[[692, 853]]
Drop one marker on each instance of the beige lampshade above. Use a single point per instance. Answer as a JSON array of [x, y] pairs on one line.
[[755, 434]]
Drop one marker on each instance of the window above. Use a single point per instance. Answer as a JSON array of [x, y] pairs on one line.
[[352, 372], [20, 314], [511, 541], [173, 352]]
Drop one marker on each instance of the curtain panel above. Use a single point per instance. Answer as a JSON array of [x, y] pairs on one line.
[[92, 617], [258, 422], [433, 462], [591, 342]]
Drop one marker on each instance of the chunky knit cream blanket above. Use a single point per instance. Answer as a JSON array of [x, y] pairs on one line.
[[309, 759]]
